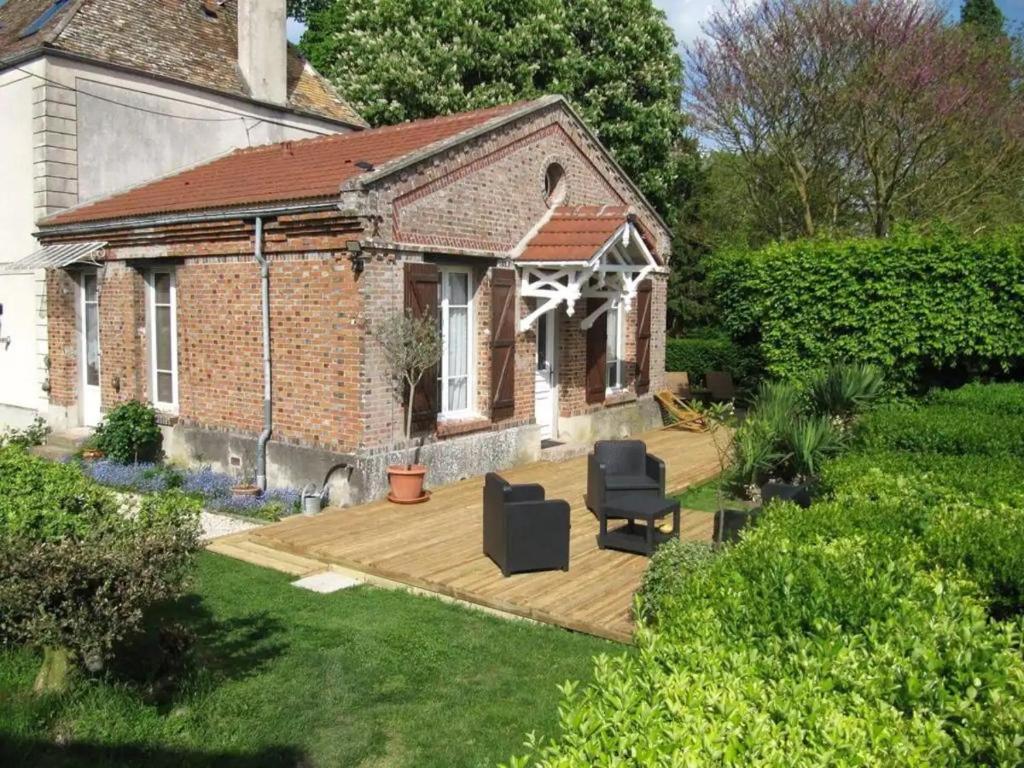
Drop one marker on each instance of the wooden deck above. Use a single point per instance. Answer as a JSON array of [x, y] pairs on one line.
[[437, 546]]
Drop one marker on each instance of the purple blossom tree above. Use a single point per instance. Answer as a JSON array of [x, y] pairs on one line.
[[871, 109]]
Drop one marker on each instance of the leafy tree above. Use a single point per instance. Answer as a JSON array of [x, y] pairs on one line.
[[983, 16], [616, 60]]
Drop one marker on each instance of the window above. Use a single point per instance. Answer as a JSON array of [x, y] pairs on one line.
[[554, 184], [455, 380], [91, 311], [615, 377], [163, 353]]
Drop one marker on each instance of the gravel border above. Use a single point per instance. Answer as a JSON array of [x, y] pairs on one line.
[[213, 526]]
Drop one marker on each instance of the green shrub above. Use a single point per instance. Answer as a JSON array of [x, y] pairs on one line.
[[30, 436], [933, 477], [1005, 399], [129, 434], [943, 428], [910, 303], [796, 652], [46, 501], [698, 355], [670, 568], [77, 572], [843, 390]]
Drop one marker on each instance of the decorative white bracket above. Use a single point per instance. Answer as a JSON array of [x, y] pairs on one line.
[[613, 274]]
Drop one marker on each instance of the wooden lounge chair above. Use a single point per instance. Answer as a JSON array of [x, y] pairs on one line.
[[683, 415]]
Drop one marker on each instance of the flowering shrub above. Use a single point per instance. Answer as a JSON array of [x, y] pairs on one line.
[[212, 488]]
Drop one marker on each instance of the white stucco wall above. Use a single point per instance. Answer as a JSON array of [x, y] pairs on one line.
[[19, 386], [78, 131]]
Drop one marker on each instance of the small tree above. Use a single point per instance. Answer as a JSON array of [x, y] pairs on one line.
[[411, 346], [720, 419]]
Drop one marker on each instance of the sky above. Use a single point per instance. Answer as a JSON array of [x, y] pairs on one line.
[[686, 16]]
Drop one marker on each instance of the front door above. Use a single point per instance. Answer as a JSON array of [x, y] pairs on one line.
[[546, 392], [89, 323]]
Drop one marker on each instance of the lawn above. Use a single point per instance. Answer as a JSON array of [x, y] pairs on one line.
[[284, 677]]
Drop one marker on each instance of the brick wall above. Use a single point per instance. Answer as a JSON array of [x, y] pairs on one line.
[[123, 371], [62, 303]]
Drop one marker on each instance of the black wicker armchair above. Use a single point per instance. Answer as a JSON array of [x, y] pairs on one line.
[[622, 468], [522, 530]]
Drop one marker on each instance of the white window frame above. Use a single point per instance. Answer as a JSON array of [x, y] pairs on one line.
[[151, 305], [470, 410], [616, 312]]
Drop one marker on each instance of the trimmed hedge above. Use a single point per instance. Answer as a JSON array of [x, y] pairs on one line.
[[866, 630], [913, 304], [943, 428], [698, 355]]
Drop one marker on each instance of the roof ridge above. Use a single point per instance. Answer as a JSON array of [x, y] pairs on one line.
[[332, 138], [58, 28]]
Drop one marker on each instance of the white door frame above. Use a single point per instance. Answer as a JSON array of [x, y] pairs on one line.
[[90, 400], [549, 430]]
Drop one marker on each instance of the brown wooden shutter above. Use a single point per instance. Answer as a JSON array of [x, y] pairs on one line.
[[643, 337], [597, 351], [503, 342], [421, 292]]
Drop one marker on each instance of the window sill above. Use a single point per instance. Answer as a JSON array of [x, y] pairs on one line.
[[619, 397], [461, 425], [166, 418]]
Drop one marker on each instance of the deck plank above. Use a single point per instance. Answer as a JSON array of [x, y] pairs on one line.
[[436, 545]]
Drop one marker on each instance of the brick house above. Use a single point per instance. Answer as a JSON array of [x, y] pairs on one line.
[[100, 95], [545, 265]]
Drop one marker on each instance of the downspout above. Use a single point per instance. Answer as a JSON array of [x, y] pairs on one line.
[[268, 418]]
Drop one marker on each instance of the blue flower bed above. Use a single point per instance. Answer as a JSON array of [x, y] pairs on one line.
[[214, 488]]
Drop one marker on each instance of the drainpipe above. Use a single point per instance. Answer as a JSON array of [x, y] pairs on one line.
[[268, 419]]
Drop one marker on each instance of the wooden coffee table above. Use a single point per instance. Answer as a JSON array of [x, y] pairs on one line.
[[641, 539]]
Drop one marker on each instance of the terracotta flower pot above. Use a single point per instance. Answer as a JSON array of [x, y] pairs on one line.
[[245, 490], [92, 454], [407, 483]]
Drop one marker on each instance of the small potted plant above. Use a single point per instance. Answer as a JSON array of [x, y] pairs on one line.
[[721, 423], [246, 486], [411, 346]]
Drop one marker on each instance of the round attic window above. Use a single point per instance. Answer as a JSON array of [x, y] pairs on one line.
[[554, 184]]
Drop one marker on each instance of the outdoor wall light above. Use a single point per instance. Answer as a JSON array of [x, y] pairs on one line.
[[355, 255]]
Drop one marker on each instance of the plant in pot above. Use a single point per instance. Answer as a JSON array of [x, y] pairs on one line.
[[722, 425], [411, 346]]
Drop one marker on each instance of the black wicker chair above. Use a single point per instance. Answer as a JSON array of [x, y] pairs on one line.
[[620, 468], [523, 531]]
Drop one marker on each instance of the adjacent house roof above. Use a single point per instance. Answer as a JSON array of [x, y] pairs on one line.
[[185, 40], [310, 169], [575, 233]]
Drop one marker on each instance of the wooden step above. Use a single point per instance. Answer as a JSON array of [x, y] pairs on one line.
[[240, 548]]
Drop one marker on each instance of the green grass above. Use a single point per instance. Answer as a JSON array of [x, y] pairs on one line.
[[702, 497], [283, 677]]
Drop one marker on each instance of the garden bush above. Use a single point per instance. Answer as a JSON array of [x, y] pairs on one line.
[[914, 304], [1006, 399], [789, 650], [696, 355], [941, 428], [77, 572], [670, 568], [879, 627], [129, 433]]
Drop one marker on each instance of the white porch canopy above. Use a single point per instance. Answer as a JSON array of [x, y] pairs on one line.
[[613, 273], [55, 257]]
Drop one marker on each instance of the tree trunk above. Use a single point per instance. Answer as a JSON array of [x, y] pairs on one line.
[[53, 674]]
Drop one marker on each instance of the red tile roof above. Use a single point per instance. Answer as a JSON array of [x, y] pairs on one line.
[[575, 233], [309, 169], [173, 39]]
